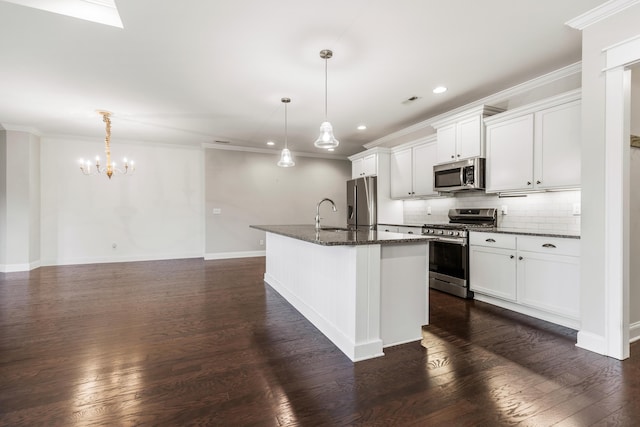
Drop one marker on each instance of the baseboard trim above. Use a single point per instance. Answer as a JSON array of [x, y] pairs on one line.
[[592, 342], [108, 260], [228, 255], [634, 332], [15, 268]]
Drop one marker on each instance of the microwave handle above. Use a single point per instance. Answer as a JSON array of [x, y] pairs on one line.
[[462, 176]]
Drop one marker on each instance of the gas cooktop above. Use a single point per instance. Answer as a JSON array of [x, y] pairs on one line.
[[466, 218]]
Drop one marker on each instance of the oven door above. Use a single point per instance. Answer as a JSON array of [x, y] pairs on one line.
[[448, 267]]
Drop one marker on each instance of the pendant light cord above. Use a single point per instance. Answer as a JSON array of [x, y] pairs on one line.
[[325, 89], [285, 125]]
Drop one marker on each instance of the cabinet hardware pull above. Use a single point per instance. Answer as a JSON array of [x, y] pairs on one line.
[[528, 182], [520, 258], [512, 257], [410, 232], [548, 245], [490, 240], [452, 156], [538, 182]]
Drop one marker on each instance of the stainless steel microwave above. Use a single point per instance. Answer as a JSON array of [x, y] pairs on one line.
[[460, 175]]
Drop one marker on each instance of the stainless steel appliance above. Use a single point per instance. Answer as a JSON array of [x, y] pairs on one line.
[[449, 251], [362, 203], [460, 175]]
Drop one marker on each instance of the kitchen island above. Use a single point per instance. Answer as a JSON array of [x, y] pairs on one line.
[[364, 290]]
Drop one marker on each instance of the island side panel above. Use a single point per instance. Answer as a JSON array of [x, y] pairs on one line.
[[336, 288], [404, 292]]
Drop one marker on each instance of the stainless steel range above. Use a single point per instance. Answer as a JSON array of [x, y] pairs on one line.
[[449, 252]]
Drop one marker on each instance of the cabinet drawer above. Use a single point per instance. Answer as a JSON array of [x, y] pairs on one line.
[[497, 240], [549, 245]]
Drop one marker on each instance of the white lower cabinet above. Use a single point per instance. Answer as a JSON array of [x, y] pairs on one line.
[[537, 276], [493, 271]]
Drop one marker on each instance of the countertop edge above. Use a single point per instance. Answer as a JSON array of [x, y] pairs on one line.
[[526, 232], [308, 234]]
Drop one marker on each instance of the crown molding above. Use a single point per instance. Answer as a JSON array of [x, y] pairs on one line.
[[521, 88], [20, 128], [226, 147], [600, 13]]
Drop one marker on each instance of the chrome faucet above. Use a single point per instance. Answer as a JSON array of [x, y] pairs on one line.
[[333, 207]]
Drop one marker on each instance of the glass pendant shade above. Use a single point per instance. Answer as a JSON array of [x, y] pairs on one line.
[[286, 160], [326, 138]]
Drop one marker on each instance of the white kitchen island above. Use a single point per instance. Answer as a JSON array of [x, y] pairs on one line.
[[364, 290]]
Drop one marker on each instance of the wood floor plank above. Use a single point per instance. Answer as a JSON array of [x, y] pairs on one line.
[[194, 342]]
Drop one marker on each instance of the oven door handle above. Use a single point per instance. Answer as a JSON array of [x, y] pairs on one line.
[[461, 242]]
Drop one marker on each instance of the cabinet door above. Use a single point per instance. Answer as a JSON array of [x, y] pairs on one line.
[[401, 174], [550, 283], [492, 271], [510, 155], [424, 157], [356, 168], [370, 165], [446, 143], [469, 138], [557, 146]]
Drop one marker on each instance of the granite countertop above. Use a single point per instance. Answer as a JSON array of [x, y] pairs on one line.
[[331, 236], [529, 232]]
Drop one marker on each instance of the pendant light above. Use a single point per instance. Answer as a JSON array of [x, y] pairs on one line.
[[326, 138], [286, 160]]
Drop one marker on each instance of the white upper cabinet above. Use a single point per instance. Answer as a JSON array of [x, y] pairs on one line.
[[412, 169], [557, 146], [364, 166], [536, 147], [510, 155], [461, 136]]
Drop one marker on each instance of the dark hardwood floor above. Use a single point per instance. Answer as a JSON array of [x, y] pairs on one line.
[[193, 342]]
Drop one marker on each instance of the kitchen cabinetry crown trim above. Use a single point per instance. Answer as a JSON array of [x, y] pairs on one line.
[[480, 109], [563, 98], [424, 140], [362, 154]]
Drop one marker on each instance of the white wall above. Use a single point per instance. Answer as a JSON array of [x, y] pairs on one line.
[[3, 197], [249, 189], [20, 218], [155, 214]]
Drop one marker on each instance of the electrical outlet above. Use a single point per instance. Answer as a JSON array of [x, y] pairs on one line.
[[576, 209], [217, 211], [261, 242], [114, 245], [504, 209], [428, 210]]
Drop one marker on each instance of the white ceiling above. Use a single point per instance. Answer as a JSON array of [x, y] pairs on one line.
[[200, 71]]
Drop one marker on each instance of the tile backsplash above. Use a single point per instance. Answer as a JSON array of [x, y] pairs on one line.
[[552, 211]]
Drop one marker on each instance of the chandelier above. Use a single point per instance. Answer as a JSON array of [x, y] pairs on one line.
[[110, 167], [326, 138]]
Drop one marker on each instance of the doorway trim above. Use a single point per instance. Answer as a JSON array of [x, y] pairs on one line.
[[617, 133]]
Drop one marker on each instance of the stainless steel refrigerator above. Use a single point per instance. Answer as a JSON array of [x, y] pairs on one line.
[[362, 203]]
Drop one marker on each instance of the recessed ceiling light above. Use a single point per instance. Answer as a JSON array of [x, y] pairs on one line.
[[362, 127], [271, 143], [440, 89]]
